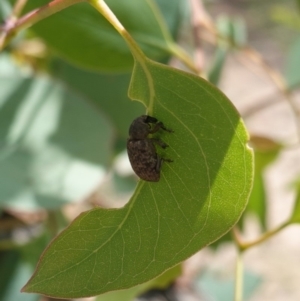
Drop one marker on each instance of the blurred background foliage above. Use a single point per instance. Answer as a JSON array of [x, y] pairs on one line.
[[64, 118]]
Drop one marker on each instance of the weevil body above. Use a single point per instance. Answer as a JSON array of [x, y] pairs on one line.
[[142, 154]]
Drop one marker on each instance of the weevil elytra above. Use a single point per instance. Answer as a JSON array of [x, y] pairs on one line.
[[142, 154]]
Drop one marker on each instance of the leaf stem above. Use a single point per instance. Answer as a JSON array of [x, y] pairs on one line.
[[136, 51], [12, 26], [173, 48], [103, 8], [239, 277]]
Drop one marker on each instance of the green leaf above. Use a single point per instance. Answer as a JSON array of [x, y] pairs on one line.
[[88, 40], [51, 141], [17, 265], [286, 16], [5, 9], [216, 68], [295, 218], [128, 295], [199, 197], [292, 73], [174, 12], [266, 151], [16, 271], [233, 32]]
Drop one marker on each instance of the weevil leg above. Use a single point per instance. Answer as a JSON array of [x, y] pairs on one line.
[[158, 164], [161, 126], [160, 143], [158, 126], [167, 160], [160, 161]]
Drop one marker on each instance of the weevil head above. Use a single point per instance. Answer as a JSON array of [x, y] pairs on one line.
[[140, 127]]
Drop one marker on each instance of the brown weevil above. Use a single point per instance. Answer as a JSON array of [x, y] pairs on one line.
[[142, 154]]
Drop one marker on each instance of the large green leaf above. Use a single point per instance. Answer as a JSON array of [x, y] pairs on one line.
[[88, 40], [199, 197], [129, 294]]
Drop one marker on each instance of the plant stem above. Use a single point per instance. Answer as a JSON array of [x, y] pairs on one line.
[[12, 27], [18, 7], [239, 275], [102, 7], [246, 245], [184, 57], [137, 53]]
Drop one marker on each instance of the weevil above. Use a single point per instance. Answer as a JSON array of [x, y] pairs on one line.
[[142, 154]]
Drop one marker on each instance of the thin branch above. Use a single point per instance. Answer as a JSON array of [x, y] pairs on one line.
[[198, 14], [18, 8], [12, 26], [16, 11], [246, 245]]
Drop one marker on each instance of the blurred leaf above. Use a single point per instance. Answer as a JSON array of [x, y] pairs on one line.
[[14, 170], [286, 16], [199, 197], [265, 151], [233, 31], [5, 9], [220, 55], [239, 31], [82, 130], [292, 73], [8, 70], [295, 218], [215, 71], [219, 288], [107, 92], [8, 265], [161, 282], [173, 13], [53, 144], [100, 47], [257, 201], [17, 266]]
